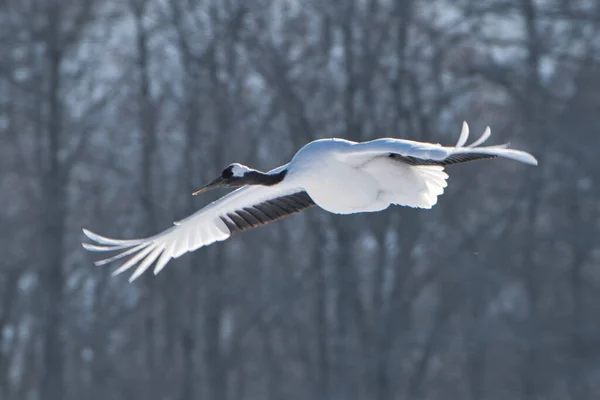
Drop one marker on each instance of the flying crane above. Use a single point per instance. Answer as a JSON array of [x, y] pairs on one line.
[[337, 175]]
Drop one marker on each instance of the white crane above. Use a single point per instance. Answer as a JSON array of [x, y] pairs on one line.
[[339, 176]]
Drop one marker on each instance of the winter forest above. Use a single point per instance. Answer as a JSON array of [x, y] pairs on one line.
[[113, 112]]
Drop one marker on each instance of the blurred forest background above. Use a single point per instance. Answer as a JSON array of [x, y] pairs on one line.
[[112, 112]]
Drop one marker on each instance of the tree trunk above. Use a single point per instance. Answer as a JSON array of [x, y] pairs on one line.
[[147, 126], [530, 366], [54, 198]]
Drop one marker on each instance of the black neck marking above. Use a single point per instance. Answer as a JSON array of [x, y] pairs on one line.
[[260, 178]]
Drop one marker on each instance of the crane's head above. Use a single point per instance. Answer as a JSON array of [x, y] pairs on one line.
[[234, 175]]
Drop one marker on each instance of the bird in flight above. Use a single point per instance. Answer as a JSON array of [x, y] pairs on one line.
[[337, 175]]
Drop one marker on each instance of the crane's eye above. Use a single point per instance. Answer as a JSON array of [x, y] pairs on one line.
[[227, 172]]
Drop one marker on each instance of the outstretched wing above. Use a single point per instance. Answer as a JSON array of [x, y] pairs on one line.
[[419, 153], [245, 208], [412, 173]]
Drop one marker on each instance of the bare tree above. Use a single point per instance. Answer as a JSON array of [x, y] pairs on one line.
[[111, 114]]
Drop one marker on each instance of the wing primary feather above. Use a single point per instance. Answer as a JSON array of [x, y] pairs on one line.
[[104, 240], [146, 263], [464, 135], [133, 260], [121, 255], [482, 139], [181, 242], [164, 258], [97, 248]]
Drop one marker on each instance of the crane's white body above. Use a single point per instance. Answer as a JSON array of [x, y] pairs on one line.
[[342, 179], [340, 176]]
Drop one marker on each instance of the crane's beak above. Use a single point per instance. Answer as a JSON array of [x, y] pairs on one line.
[[217, 183]]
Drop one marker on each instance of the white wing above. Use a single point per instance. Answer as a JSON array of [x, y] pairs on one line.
[[245, 208], [407, 185], [412, 173], [419, 153]]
